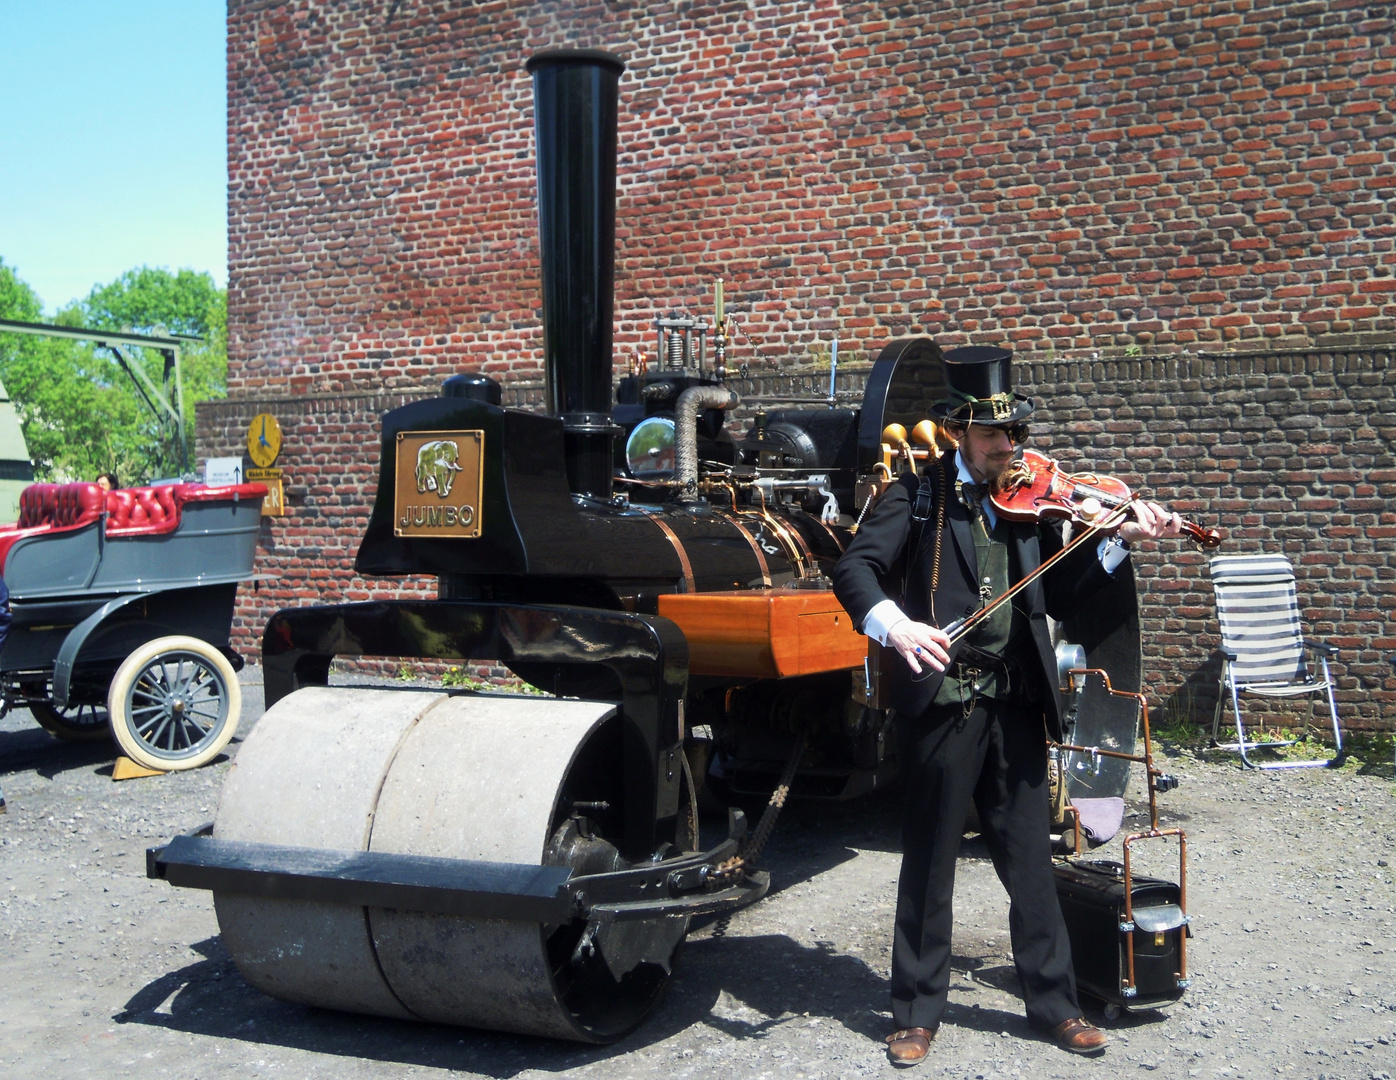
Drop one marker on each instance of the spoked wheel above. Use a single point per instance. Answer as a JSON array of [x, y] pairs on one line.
[[174, 703], [76, 723]]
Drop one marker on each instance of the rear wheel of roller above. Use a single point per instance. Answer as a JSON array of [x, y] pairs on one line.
[[516, 780]]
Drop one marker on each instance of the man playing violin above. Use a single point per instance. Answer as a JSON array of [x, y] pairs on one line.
[[973, 714]]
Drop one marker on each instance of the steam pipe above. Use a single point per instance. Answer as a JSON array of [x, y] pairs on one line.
[[686, 410]]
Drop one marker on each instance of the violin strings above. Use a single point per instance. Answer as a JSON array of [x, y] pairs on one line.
[[1100, 496]]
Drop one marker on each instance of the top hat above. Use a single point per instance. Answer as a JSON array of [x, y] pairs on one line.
[[979, 388]]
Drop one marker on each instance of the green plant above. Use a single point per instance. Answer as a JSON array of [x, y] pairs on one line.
[[81, 413], [459, 678], [1178, 723], [405, 673], [1305, 747], [1375, 749], [1134, 350]]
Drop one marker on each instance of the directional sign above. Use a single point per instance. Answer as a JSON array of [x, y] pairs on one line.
[[223, 470]]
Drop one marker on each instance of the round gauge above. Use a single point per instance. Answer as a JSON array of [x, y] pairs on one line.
[[263, 440]]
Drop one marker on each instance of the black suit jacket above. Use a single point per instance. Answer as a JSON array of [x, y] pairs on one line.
[[876, 562]]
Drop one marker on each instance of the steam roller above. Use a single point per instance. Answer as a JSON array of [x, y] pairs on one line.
[[433, 776], [496, 861], [532, 863]]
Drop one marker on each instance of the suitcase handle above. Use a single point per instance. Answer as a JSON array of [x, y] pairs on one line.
[[1127, 927]]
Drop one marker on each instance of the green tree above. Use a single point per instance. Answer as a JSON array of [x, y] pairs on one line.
[[17, 301], [80, 412], [152, 301], [148, 300]]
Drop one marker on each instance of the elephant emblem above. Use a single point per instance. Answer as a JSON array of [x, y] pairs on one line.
[[437, 466]]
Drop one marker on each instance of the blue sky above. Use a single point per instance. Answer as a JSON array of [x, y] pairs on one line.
[[112, 141]]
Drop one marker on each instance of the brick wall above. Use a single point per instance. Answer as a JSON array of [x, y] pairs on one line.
[[1086, 182], [1065, 176]]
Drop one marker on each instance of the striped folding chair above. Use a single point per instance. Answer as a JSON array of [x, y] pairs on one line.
[[1264, 650]]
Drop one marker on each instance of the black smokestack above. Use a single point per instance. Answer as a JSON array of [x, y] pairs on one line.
[[574, 104]]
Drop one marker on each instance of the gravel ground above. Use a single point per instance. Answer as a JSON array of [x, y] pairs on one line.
[[1290, 888]]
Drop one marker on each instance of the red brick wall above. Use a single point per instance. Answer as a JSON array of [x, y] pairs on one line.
[[1065, 176], [1079, 180]]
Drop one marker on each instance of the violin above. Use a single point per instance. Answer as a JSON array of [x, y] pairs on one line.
[[1033, 488]]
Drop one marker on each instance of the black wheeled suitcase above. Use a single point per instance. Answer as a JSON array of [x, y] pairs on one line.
[[1137, 963]]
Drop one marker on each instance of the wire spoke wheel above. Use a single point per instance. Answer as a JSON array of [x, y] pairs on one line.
[[174, 703], [76, 723]]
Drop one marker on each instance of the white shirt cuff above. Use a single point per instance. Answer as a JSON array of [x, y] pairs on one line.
[[882, 618], [1112, 552]]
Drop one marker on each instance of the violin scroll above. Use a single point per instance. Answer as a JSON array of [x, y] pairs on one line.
[[1206, 539]]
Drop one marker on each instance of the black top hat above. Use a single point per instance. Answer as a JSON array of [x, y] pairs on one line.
[[979, 381]]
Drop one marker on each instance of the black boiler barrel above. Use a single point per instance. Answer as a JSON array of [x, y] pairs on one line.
[[574, 100]]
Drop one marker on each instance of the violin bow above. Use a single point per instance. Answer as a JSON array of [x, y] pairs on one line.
[[962, 626]]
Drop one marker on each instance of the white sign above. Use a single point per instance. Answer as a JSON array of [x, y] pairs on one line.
[[223, 470]]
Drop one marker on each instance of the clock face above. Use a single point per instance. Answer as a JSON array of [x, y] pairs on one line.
[[263, 440]]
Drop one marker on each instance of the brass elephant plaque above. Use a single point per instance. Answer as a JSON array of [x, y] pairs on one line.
[[439, 476]]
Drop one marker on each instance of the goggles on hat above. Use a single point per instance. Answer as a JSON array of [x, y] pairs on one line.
[[1017, 433]]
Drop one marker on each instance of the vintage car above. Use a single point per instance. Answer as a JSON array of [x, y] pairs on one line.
[[122, 603]]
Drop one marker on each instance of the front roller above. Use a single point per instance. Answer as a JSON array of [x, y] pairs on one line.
[[522, 781]]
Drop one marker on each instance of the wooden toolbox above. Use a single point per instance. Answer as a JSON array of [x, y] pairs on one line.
[[765, 634]]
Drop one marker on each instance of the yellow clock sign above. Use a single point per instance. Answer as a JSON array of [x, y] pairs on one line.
[[263, 440], [263, 444]]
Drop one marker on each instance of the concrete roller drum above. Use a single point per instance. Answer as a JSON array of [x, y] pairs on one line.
[[433, 774]]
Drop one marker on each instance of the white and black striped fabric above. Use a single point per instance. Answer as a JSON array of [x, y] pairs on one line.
[[1259, 614]]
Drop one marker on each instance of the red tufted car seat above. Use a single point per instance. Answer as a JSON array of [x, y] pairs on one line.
[[36, 506], [120, 503], [46, 508], [77, 504], [143, 510]]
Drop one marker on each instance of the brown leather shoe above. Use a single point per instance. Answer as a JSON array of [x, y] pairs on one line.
[[1080, 1037], [909, 1046]]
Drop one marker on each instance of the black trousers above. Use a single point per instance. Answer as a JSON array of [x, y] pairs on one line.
[[996, 756]]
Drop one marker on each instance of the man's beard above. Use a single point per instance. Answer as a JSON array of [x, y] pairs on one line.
[[998, 473]]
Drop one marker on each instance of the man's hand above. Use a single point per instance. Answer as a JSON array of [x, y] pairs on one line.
[[1151, 522], [920, 644]]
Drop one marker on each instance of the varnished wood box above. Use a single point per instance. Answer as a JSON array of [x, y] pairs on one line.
[[767, 633]]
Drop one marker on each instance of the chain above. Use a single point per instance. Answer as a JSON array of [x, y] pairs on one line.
[[735, 866], [941, 500], [692, 822]]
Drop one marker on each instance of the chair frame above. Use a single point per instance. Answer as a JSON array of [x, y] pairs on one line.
[[1228, 683]]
